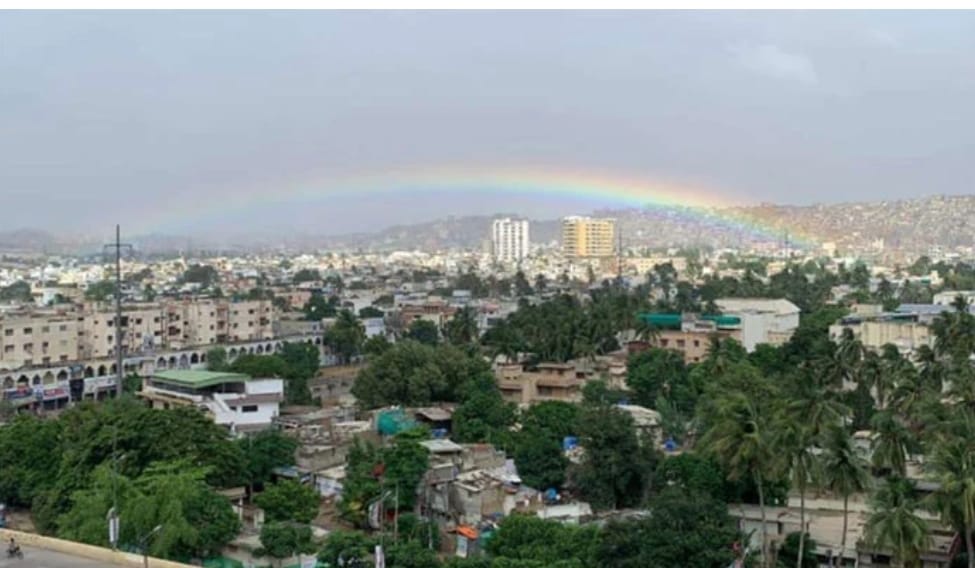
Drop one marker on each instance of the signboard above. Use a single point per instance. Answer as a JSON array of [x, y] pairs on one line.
[[57, 392]]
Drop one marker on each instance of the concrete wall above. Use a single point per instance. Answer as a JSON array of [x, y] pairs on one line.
[[96, 553]]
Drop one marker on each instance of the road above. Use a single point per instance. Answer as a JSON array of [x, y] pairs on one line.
[[39, 558]]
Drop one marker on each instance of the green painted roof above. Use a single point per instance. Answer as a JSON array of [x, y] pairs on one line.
[[198, 379]]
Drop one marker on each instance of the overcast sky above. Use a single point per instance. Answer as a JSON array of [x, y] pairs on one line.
[[151, 118]]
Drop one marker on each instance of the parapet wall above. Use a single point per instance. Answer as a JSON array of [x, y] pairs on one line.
[[96, 553]]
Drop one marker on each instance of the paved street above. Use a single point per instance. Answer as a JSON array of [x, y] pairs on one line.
[[38, 558]]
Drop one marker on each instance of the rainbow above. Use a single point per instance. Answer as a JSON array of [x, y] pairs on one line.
[[689, 201]]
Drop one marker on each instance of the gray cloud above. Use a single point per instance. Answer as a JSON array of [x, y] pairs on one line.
[[149, 118], [773, 61]]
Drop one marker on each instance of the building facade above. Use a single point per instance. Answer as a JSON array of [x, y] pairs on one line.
[[41, 338], [588, 237], [509, 239]]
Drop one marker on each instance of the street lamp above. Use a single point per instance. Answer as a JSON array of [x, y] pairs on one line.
[[144, 542]]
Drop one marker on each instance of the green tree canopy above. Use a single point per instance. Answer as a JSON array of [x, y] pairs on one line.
[[411, 373], [288, 500]]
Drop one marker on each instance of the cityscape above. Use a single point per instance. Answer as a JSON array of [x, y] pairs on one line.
[[486, 367]]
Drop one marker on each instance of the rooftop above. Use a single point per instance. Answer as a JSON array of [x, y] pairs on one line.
[[198, 379]]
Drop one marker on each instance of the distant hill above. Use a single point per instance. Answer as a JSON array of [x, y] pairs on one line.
[[912, 226], [469, 232]]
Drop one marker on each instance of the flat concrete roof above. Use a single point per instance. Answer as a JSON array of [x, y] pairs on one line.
[[198, 379]]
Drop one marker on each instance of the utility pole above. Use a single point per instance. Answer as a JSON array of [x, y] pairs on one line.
[[118, 245], [619, 256]]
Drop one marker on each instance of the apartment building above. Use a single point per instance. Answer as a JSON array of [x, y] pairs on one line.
[[38, 339], [509, 239], [907, 331], [763, 320], [688, 334], [550, 381], [588, 237], [142, 327]]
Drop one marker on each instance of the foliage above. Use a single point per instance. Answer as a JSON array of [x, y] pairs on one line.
[[894, 523], [296, 363], [343, 548], [195, 520], [29, 458], [318, 308], [265, 451], [615, 470], [283, 540], [788, 555], [526, 537], [368, 468], [656, 372], [217, 359], [375, 345], [483, 416], [202, 274], [371, 312], [684, 529], [423, 331], [462, 329], [98, 291], [345, 336], [414, 374], [288, 500], [306, 275], [693, 474]]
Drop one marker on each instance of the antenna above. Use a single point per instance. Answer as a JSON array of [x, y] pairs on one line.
[[118, 245]]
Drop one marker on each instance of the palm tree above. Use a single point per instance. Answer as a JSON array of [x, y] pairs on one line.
[[740, 439], [646, 331], [462, 328], [845, 473], [812, 403], [893, 523], [871, 373], [952, 464], [931, 369], [794, 443], [891, 443], [849, 354]]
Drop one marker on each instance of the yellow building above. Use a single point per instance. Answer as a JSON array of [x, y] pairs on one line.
[[588, 237]]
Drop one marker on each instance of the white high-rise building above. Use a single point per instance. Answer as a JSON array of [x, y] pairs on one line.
[[509, 238]]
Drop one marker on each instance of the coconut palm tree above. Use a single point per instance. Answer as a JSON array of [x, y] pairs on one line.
[[894, 524], [891, 443], [952, 465], [462, 328], [812, 403], [844, 473], [931, 369], [794, 444], [646, 331], [741, 440]]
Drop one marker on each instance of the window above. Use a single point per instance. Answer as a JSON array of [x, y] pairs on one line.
[[697, 343], [46, 329], [249, 408], [8, 348], [62, 327], [8, 332], [680, 343], [28, 331]]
